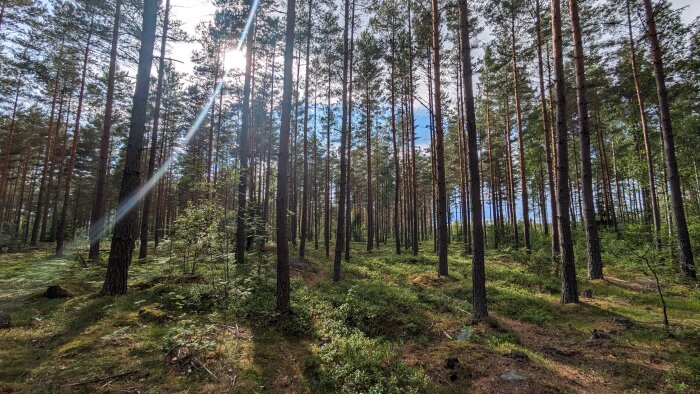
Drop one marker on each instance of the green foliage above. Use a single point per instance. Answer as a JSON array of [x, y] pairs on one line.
[[195, 298], [519, 303], [357, 364], [380, 309], [254, 301], [197, 231]]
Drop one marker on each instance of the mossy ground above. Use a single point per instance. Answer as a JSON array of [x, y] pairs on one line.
[[390, 325]]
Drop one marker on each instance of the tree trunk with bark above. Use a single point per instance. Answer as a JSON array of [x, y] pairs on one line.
[[478, 269], [243, 146], [305, 187], [145, 216], [283, 290], [61, 230], [569, 290], [123, 239], [685, 256], [340, 230], [595, 264], [97, 219], [439, 147]]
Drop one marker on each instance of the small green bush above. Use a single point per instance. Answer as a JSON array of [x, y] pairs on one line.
[[520, 304], [377, 308], [254, 300], [357, 364]]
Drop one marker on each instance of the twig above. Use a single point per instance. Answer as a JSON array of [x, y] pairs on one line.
[[658, 286], [95, 380], [201, 364]]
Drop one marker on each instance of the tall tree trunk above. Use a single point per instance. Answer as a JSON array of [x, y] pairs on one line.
[[126, 225], [685, 256], [547, 135], [478, 269], [145, 216], [493, 184], [348, 221], [397, 174], [243, 146], [97, 219], [569, 290], [293, 208], [315, 171], [40, 205], [61, 230], [439, 147], [370, 200], [595, 265], [656, 217], [414, 179], [268, 169], [283, 165], [511, 175], [23, 184], [7, 155], [305, 188], [521, 144], [340, 232], [327, 191]]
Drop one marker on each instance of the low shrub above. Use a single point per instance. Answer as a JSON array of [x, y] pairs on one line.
[[357, 364]]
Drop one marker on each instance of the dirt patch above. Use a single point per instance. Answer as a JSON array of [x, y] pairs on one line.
[[607, 361], [467, 367]]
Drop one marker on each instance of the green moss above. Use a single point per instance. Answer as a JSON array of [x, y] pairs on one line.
[[357, 335]]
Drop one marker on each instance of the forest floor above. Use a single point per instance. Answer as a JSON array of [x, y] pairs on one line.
[[390, 325]]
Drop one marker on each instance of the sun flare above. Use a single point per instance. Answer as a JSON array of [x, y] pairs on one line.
[[235, 60]]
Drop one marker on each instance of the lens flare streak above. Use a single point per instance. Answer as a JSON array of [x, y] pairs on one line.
[[132, 201]]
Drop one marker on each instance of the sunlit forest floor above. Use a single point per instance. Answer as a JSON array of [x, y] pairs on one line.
[[390, 325]]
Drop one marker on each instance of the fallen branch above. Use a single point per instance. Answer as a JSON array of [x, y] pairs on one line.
[[201, 364], [95, 380]]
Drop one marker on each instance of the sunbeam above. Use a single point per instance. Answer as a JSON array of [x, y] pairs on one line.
[[237, 57]]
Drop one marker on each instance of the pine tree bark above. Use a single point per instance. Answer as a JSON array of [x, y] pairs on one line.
[[439, 147], [340, 229], [123, 239], [547, 135], [61, 230], [653, 198], [370, 184], [97, 219], [397, 174], [569, 290], [38, 216], [595, 264], [521, 145], [283, 164], [6, 157], [327, 187], [145, 215], [414, 179], [348, 221], [478, 269], [305, 187], [685, 251], [243, 146]]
